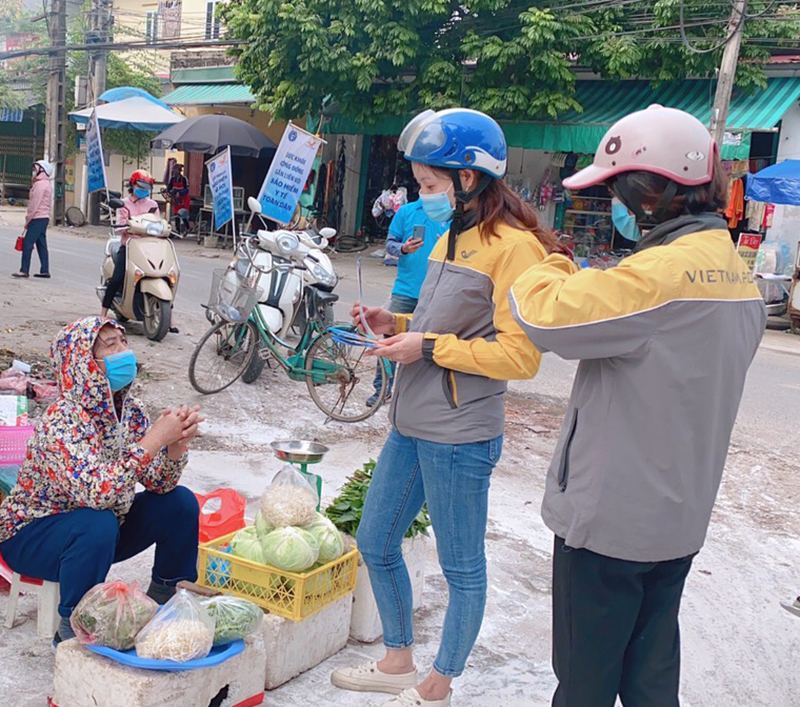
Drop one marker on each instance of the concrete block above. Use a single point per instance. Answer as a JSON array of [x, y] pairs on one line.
[[83, 678], [296, 646], [365, 625]]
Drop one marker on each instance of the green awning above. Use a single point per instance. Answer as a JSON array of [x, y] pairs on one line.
[[202, 94], [605, 102]]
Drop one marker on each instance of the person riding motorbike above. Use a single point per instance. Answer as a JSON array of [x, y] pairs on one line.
[[664, 341], [138, 202], [178, 190]]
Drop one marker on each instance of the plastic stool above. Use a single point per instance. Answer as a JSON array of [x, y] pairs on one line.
[[48, 595]]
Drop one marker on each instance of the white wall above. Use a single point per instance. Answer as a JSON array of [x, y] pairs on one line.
[[786, 220]]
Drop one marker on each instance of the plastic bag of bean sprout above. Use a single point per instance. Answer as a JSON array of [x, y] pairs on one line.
[[180, 632]]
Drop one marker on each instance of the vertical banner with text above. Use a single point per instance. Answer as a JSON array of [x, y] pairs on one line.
[[748, 246], [95, 163], [288, 173], [220, 179]]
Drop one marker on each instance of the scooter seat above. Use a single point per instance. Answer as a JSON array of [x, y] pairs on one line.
[[323, 296]]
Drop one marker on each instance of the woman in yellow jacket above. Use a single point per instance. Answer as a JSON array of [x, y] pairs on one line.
[[457, 351]]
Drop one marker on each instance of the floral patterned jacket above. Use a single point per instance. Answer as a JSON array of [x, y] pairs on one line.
[[82, 454]]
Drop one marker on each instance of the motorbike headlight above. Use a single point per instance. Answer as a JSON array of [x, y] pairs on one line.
[[287, 242], [154, 229], [323, 277]]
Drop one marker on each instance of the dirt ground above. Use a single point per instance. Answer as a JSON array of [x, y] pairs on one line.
[[739, 646]]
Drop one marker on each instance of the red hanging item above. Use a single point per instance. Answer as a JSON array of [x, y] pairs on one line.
[[221, 512], [18, 244]]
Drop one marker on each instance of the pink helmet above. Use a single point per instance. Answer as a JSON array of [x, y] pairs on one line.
[[661, 140]]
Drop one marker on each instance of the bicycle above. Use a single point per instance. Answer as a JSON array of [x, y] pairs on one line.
[[339, 377]]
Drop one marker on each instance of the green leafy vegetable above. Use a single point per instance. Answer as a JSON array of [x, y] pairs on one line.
[[247, 545], [331, 542], [235, 618], [345, 510]]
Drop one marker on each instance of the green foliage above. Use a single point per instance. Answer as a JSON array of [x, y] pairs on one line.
[[130, 69], [345, 510], [511, 58]]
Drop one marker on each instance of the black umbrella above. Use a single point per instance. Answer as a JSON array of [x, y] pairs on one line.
[[210, 133]]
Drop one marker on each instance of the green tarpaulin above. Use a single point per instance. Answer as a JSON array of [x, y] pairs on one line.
[[605, 102]]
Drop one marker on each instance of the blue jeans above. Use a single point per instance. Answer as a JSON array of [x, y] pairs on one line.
[[36, 237], [398, 304], [77, 548], [454, 480]]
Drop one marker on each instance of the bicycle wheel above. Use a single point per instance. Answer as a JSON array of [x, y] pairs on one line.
[[222, 355], [343, 378]]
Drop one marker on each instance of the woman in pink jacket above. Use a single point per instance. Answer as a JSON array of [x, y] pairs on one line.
[[37, 219]]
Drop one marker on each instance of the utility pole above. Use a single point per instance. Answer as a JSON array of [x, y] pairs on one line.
[[56, 118], [100, 22], [727, 71]]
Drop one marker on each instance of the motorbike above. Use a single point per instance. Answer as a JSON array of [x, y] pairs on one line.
[[294, 266], [152, 271]]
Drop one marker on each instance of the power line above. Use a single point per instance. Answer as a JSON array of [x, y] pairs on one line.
[[166, 44]]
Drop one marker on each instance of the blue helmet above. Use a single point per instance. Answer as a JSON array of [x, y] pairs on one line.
[[457, 138]]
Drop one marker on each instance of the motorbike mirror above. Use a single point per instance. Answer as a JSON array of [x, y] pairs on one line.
[[254, 205], [116, 203], [327, 233]]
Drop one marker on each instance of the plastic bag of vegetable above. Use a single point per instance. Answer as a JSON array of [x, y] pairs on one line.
[[290, 549], [261, 526], [331, 541], [235, 618], [289, 500], [112, 614], [247, 545], [181, 631]]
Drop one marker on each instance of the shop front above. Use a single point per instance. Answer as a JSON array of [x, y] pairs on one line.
[[543, 153]]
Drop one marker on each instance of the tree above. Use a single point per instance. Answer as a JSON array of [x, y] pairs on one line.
[[510, 58], [130, 69]]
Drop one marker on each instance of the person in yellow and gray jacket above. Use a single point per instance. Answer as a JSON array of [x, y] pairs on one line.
[[456, 352], [664, 341]]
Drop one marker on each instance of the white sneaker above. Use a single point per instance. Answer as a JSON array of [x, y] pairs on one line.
[[411, 698], [369, 678]]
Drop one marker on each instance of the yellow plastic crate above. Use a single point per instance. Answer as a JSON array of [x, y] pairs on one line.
[[291, 595]]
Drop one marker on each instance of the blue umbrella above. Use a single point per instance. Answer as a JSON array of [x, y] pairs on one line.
[[779, 184], [122, 92]]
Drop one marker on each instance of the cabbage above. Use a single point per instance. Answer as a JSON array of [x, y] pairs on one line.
[[331, 541], [247, 545], [262, 527], [290, 549]]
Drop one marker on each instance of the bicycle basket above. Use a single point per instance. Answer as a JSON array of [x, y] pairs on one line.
[[231, 297]]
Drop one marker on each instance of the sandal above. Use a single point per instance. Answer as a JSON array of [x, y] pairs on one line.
[[20, 274]]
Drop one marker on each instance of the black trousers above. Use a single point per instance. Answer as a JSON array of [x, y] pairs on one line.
[[117, 280], [36, 237], [615, 629]]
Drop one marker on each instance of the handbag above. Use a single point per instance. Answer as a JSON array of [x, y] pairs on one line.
[[18, 244]]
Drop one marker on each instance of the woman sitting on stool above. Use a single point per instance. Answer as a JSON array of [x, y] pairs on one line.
[[74, 511]]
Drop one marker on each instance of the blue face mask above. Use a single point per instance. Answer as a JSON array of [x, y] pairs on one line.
[[625, 221], [141, 193], [120, 369], [437, 207]]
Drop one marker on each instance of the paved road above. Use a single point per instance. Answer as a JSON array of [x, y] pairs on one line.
[[76, 260], [770, 408]]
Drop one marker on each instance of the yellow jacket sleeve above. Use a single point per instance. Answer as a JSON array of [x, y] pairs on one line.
[[511, 356], [592, 313], [401, 322]]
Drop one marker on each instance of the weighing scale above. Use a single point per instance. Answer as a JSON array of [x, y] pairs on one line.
[[301, 453]]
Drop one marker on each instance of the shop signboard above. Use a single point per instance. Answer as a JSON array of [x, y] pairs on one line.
[[220, 180], [288, 174], [95, 163], [747, 247]]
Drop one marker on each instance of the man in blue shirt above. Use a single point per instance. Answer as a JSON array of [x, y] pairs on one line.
[[411, 238]]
